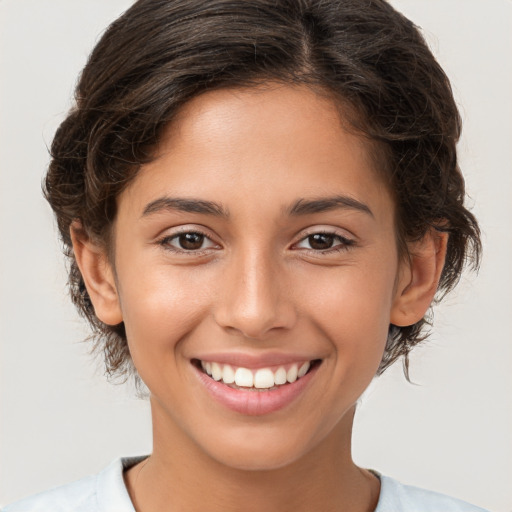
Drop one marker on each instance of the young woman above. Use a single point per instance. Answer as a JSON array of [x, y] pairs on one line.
[[259, 201]]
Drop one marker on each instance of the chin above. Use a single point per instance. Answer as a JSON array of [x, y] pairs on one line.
[[255, 460], [265, 450]]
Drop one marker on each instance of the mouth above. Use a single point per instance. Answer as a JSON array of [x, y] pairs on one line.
[[257, 379]]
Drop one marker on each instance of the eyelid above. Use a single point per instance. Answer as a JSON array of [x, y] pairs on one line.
[[346, 241], [164, 239], [174, 233]]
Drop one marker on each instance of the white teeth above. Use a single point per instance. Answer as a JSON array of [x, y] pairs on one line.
[[228, 374], [216, 371], [263, 378], [303, 369], [244, 378], [291, 375], [280, 376]]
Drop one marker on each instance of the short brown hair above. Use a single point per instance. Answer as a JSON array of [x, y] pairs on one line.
[[161, 53]]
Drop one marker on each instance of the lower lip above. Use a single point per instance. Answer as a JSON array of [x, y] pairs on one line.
[[253, 402]]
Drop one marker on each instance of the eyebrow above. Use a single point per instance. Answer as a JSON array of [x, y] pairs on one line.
[[307, 206], [189, 205], [300, 207]]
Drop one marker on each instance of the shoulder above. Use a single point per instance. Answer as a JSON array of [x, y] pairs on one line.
[[397, 497], [103, 492]]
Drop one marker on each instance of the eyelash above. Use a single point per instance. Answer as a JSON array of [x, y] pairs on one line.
[[343, 243], [165, 242]]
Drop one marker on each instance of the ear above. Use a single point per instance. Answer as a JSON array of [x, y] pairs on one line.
[[419, 278], [98, 275]]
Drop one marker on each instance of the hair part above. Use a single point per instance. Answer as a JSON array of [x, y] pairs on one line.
[[161, 53]]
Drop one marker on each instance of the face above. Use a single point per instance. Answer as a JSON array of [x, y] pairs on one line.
[[258, 245]]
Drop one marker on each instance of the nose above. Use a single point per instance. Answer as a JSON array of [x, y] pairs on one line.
[[255, 299]]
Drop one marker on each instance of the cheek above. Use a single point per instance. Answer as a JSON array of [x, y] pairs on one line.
[[160, 307], [352, 307]]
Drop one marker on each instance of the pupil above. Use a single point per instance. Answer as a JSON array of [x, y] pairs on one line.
[[191, 241], [321, 241]]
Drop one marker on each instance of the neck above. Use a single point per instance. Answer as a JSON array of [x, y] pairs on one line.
[[179, 476]]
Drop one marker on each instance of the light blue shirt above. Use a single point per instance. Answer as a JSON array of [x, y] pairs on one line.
[[106, 492]]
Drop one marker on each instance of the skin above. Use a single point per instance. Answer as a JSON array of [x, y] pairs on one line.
[[257, 285]]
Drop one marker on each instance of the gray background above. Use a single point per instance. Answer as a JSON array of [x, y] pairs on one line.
[[61, 420]]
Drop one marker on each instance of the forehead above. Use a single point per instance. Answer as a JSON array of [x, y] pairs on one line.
[[277, 140], [281, 118]]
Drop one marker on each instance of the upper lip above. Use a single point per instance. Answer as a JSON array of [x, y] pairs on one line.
[[254, 361]]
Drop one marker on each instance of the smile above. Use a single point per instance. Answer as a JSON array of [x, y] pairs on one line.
[[256, 379], [255, 386]]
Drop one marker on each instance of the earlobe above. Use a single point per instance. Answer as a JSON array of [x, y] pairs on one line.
[[418, 284], [98, 275]]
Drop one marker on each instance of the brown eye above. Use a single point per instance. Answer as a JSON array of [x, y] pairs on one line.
[[188, 242], [324, 242], [321, 241], [191, 241]]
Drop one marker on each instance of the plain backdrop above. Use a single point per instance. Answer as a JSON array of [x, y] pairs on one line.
[[59, 418]]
